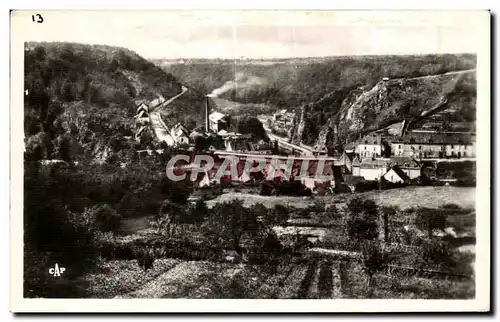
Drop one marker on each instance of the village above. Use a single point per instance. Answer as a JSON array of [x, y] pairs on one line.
[[379, 159]]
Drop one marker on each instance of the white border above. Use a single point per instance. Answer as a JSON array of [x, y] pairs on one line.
[[480, 303]]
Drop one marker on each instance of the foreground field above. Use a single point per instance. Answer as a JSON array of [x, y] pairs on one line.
[[316, 279], [403, 198]]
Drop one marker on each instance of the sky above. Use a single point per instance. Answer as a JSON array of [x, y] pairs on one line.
[[254, 34]]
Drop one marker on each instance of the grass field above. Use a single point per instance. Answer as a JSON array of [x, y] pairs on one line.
[[404, 198]]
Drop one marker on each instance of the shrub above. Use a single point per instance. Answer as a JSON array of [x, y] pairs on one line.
[[198, 212], [451, 206], [265, 248], [435, 251], [362, 219], [101, 217], [429, 219]]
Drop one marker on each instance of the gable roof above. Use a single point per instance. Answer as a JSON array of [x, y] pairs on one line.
[[350, 155], [356, 162], [216, 117], [399, 172], [142, 107]]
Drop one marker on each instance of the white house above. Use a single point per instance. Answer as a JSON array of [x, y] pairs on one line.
[[411, 167], [142, 116], [396, 175], [180, 134], [370, 147], [373, 169], [422, 145], [218, 121]]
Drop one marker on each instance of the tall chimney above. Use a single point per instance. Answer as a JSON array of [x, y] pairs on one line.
[[207, 122]]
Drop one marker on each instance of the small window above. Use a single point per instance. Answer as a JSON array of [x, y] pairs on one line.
[[420, 147], [400, 146], [465, 154], [365, 147], [366, 141], [452, 146]]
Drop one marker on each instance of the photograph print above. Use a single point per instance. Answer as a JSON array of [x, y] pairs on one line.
[[251, 155]]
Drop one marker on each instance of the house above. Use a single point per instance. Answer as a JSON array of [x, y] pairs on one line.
[[142, 116], [396, 175], [356, 163], [237, 141], [424, 145], [180, 134], [411, 167], [373, 169], [218, 121], [346, 159], [370, 146]]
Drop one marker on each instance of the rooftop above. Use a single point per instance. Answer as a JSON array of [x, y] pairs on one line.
[[216, 116], [436, 138], [370, 163]]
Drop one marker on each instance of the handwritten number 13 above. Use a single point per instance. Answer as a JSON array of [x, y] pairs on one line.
[[37, 18]]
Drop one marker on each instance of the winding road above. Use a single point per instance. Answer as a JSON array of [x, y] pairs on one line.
[[159, 127]]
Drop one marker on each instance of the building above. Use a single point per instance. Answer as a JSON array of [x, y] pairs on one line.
[[411, 167], [142, 116], [370, 146], [355, 165], [237, 141], [373, 169], [426, 145], [396, 175], [180, 134], [218, 121], [346, 159]]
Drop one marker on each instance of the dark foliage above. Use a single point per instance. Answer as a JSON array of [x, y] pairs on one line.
[[362, 220], [428, 219], [251, 125]]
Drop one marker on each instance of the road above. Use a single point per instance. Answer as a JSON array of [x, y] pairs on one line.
[[159, 127], [281, 141]]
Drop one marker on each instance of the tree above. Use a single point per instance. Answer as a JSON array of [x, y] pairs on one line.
[[68, 91], [86, 93], [387, 213], [230, 219], [428, 219], [374, 260], [362, 219], [252, 125], [198, 212]]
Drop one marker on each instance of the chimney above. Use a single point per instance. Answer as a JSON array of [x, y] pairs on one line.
[[207, 123]]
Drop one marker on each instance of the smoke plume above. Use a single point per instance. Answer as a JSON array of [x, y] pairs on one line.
[[241, 81]]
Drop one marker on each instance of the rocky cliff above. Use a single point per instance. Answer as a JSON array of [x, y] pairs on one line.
[[342, 116]]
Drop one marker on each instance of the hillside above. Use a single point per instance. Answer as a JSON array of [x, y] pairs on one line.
[[290, 83], [442, 100], [82, 98]]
